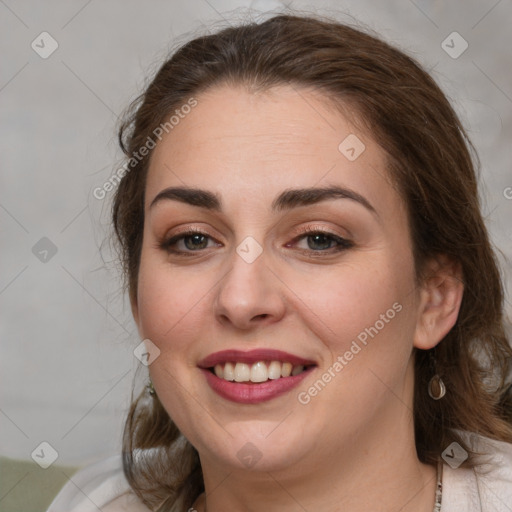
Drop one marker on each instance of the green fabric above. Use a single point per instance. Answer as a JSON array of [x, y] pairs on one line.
[[25, 487]]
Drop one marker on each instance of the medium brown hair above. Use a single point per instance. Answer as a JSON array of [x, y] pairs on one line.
[[429, 160]]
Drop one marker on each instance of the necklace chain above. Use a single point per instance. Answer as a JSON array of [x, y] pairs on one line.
[[439, 486]]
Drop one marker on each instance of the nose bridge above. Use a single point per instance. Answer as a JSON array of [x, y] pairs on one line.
[[249, 292]]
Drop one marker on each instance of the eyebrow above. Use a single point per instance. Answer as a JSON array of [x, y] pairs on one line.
[[288, 199]]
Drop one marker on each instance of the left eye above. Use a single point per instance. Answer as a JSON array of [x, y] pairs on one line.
[[320, 241]]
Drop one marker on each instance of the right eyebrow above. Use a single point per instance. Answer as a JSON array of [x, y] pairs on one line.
[[188, 195]]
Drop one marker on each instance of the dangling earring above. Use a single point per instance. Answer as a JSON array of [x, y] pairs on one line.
[[150, 388], [436, 387]]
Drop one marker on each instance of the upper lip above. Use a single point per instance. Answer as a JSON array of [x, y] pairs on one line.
[[252, 356]]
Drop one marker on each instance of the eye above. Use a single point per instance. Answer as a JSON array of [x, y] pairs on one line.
[[318, 241], [187, 242]]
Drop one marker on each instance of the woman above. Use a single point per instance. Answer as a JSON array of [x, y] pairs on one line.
[[308, 266]]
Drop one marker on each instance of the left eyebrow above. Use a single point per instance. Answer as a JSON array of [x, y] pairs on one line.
[[288, 199], [293, 198]]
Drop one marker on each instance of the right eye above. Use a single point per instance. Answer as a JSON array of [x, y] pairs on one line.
[[186, 242]]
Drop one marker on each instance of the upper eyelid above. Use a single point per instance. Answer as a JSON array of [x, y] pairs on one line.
[[301, 231]]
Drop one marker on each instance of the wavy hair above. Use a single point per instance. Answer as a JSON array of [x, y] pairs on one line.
[[429, 158]]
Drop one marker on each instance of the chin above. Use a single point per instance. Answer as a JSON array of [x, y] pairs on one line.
[[257, 446]]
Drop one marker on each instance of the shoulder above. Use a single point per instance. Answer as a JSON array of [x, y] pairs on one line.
[[101, 485], [487, 487]]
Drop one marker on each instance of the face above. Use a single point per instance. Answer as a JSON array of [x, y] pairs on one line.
[[267, 272]]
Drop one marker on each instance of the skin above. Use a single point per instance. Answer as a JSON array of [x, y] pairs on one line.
[[352, 446]]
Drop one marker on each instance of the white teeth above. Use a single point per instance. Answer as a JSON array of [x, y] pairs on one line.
[[229, 372], [219, 371], [274, 370], [242, 372], [297, 369], [286, 369], [257, 372]]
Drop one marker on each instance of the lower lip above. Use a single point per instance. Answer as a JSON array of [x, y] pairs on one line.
[[253, 393]]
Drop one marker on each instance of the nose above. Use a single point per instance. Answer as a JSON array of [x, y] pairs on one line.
[[249, 295]]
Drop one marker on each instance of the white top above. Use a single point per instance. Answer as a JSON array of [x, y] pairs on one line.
[[487, 489]]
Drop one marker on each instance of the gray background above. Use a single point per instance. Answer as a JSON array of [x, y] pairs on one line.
[[67, 337]]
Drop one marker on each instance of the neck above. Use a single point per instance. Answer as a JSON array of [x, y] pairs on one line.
[[374, 469], [366, 477]]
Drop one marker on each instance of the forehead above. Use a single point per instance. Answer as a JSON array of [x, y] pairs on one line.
[[242, 144]]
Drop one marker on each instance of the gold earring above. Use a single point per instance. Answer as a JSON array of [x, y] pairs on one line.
[[150, 388]]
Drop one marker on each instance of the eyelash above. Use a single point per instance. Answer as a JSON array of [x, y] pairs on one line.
[[343, 243]]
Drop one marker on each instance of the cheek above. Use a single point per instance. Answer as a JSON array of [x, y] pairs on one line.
[[367, 325], [170, 304], [171, 307], [350, 298], [366, 322]]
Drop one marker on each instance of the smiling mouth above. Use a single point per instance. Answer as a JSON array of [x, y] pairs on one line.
[[261, 371]]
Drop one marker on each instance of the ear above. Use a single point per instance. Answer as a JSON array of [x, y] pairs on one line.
[[440, 299]]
